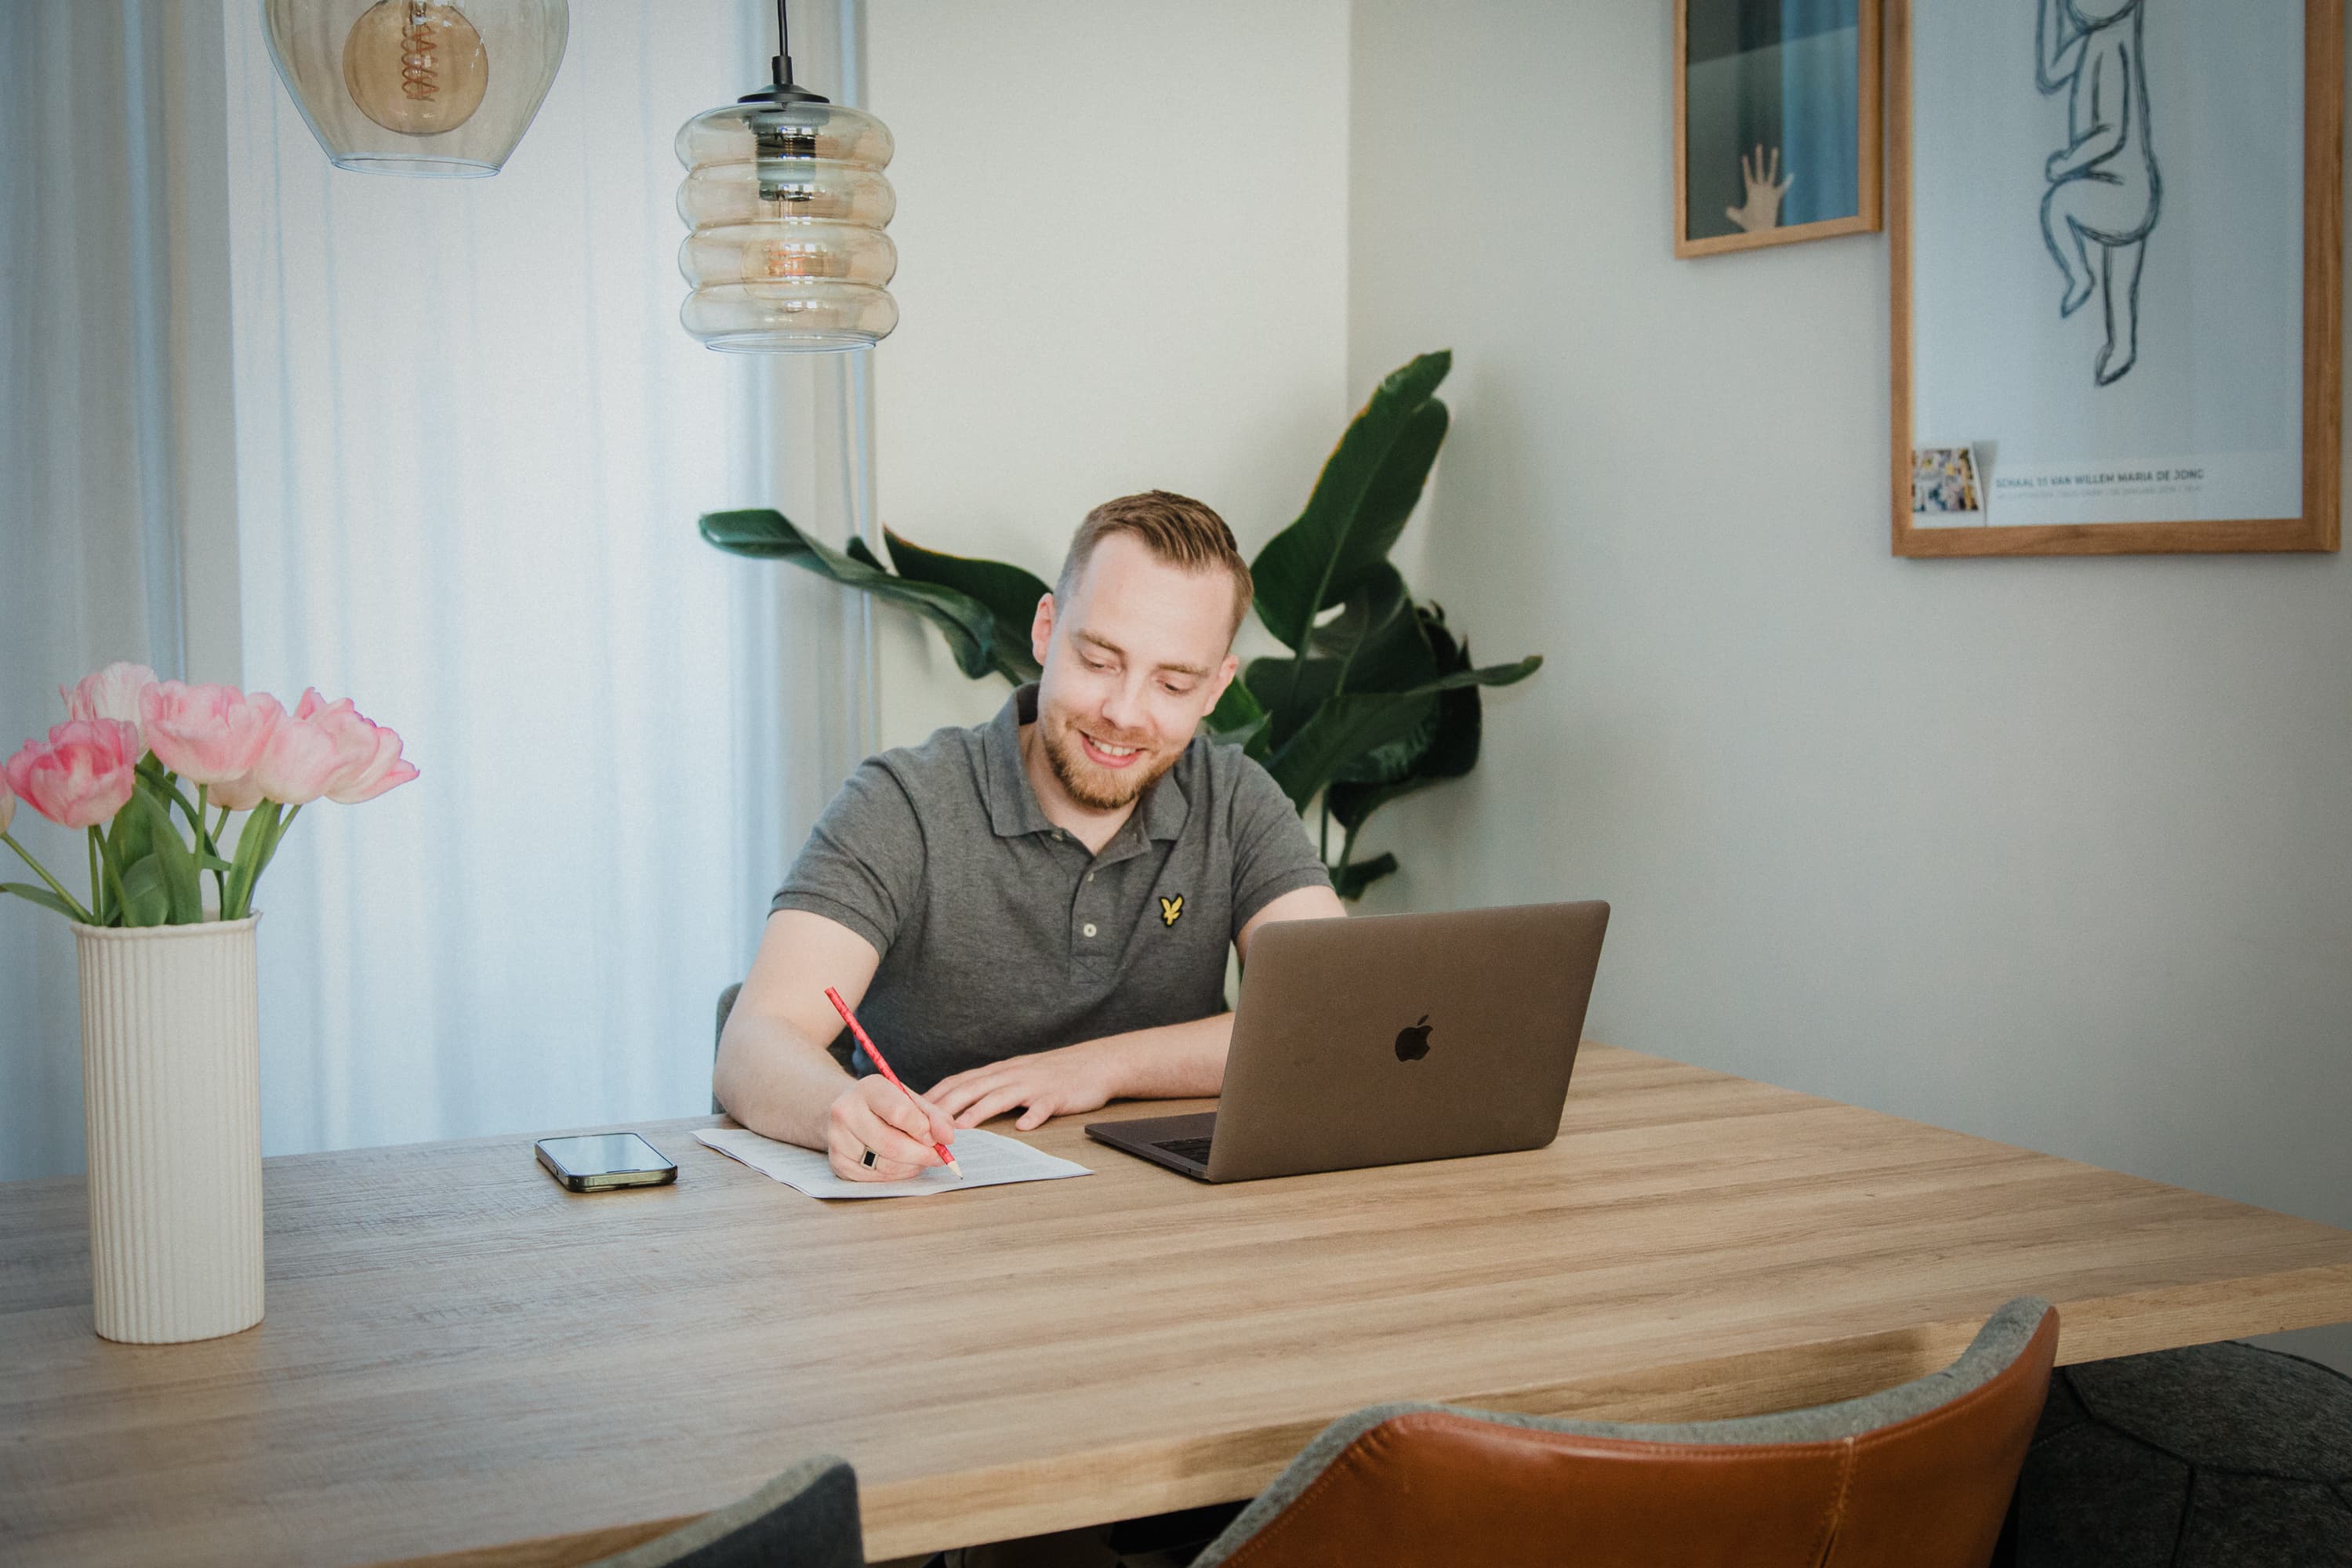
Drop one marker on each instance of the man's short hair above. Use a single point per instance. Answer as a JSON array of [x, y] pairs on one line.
[[1175, 529]]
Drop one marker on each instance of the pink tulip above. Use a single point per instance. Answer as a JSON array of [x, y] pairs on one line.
[[243, 792], [83, 776], [297, 765], [110, 693], [368, 753], [208, 734], [7, 805]]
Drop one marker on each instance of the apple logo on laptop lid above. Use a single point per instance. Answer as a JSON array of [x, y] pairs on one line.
[[1412, 1043]]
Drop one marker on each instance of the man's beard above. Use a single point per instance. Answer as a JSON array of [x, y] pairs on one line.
[[1096, 788]]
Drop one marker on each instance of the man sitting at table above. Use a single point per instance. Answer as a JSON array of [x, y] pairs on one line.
[[1034, 912]]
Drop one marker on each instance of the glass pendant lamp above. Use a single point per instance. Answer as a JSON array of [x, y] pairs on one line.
[[785, 203], [413, 87]]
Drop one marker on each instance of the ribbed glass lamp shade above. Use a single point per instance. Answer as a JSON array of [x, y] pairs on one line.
[[408, 87], [784, 205]]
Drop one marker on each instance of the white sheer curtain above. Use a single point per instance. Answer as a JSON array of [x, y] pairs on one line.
[[472, 442], [113, 437]]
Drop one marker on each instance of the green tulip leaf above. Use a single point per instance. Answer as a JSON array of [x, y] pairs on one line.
[[254, 844], [173, 858], [146, 899], [1368, 489], [1010, 595], [42, 897], [767, 534]]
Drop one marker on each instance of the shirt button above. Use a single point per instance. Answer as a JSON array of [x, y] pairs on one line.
[[1089, 929], [1090, 876]]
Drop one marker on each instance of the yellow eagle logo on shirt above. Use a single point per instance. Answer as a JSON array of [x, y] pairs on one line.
[[1171, 909]]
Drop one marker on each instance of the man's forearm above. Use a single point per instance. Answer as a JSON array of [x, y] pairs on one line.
[[1174, 1061], [776, 1083]]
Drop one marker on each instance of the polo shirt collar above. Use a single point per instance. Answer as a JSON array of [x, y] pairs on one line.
[[1013, 808]]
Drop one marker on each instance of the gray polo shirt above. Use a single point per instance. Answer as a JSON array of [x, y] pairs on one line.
[[1000, 934]]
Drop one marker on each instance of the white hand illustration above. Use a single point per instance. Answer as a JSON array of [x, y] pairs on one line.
[[1763, 210]]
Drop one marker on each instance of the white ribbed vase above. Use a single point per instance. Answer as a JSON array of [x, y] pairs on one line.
[[170, 1085]]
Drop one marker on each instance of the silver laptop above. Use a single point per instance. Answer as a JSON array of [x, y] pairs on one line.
[[1386, 1038]]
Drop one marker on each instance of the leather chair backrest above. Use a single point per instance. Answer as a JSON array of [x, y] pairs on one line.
[[1916, 1477]]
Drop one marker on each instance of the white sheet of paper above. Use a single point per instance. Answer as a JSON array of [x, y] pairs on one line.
[[989, 1160]]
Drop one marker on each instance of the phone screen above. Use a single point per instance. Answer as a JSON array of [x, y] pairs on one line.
[[603, 1154]]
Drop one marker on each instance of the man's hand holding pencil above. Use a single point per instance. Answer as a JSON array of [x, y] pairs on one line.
[[901, 1130], [866, 1109]]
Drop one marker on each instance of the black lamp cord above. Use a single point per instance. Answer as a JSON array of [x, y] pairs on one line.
[[783, 90]]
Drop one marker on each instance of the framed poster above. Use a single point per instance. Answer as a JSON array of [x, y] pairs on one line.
[[2116, 252], [1776, 122]]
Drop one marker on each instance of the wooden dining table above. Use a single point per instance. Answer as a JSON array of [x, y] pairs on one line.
[[463, 1363]]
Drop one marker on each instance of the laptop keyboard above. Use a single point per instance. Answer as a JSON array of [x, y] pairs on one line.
[[1196, 1149]]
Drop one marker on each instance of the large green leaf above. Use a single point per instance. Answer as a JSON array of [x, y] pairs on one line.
[[765, 533], [1238, 718], [1374, 644], [1299, 688], [1368, 488], [1367, 620], [1356, 722], [1009, 594], [1342, 729], [1451, 750], [1350, 880]]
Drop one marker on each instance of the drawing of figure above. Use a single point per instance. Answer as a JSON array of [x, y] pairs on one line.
[[2105, 190]]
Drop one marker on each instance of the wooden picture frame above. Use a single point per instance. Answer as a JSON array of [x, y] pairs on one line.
[[1866, 215], [2316, 528]]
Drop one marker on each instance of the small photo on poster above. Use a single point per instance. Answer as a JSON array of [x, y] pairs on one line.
[[1946, 489]]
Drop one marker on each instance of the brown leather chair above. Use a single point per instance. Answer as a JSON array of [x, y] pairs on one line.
[[1916, 1477]]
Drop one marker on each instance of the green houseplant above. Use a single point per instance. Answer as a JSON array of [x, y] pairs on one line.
[[1376, 697]]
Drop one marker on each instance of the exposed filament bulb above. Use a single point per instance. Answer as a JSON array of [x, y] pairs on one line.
[[416, 62], [414, 67]]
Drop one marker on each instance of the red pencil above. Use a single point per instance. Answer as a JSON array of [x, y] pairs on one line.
[[874, 1055]]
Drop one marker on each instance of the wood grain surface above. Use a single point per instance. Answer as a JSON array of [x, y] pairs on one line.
[[462, 1361]]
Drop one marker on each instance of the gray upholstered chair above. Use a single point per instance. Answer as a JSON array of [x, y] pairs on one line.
[[726, 1005], [805, 1517], [1916, 1477], [2214, 1454]]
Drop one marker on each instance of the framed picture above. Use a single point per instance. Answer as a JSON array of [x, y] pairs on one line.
[[1776, 122], [2116, 254]]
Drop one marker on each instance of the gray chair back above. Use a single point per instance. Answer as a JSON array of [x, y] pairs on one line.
[[806, 1517], [726, 1005]]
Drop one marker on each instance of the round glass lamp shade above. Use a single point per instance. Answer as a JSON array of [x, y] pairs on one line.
[[411, 87], [784, 206]]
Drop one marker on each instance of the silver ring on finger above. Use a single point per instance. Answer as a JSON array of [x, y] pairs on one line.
[[868, 1160]]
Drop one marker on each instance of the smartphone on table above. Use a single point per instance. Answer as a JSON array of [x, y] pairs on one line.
[[596, 1161]]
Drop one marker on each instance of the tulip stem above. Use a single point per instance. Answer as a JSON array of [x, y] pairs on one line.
[[114, 878], [96, 880], [43, 872], [204, 845]]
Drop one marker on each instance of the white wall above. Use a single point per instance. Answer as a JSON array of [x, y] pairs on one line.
[[1123, 265], [2059, 852]]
